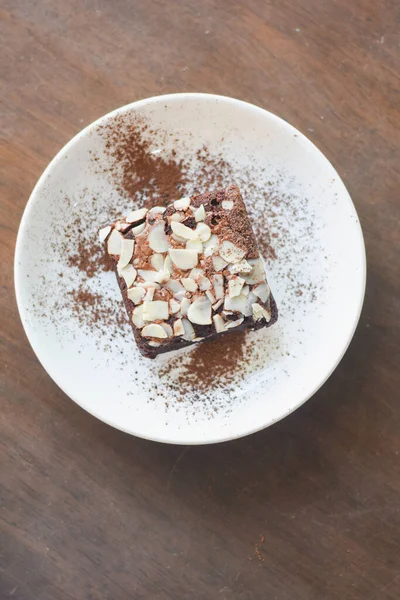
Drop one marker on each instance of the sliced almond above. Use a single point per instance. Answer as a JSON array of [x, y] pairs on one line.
[[149, 294], [210, 296], [230, 252], [262, 291], [103, 233], [155, 310], [189, 334], [178, 238], [231, 324], [138, 229], [149, 284], [136, 294], [154, 344], [136, 215], [179, 296], [219, 323], [185, 305], [182, 204], [245, 290], [153, 330], [157, 238], [183, 231], [240, 267], [219, 263], [238, 303], [157, 262], [174, 286], [168, 266], [167, 328], [211, 246], [203, 282], [200, 213], [154, 276], [257, 273], [227, 204], [218, 283], [183, 259], [200, 311], [178, 216], [157, 210], [137, 316], [203, 232], [217, 304], [259, 312], [128, 274], [127, 247], [179, 328], [189, 284], [174, 306], [195, 245], [235, 286], [194, 273], [198, 339], [114, 242]]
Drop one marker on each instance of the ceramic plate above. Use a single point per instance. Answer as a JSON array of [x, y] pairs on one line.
[[308, 231]]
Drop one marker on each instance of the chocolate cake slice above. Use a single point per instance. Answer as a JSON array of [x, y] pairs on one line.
[[190, 271]]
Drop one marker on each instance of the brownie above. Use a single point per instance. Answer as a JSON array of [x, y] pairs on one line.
[[190, 271]]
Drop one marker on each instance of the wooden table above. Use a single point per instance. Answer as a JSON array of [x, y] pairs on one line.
[[306, 510]]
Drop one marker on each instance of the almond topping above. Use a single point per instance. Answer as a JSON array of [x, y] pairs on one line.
[[203, 282], [103, 233], [128, 274], [157, 262], [183, 231], [189, 284], [195, 245], [200, 213], [136, 294], [262, 291], [157, 238], [257, 274], [203, 231], [127, 247], [182, 204], [218, 323], [183, 259], [227, 204], [137, 316], [218, 283], [189, 331], [200, 311], [231, 324], [154, 330], [136, 215], [230, 252], [174, 306], [157, 309], [114, 242], [235, 286], [179, 328], [219, 263]]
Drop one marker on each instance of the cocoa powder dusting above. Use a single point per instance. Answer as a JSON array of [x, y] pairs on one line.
[[142, 173], [216, 363], [90, 259]]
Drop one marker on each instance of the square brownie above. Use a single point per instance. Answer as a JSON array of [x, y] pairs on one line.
[[190, 271]]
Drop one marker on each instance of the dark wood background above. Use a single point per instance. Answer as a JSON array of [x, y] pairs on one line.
[[306, 510]]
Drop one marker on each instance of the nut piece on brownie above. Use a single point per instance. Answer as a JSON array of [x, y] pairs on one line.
[[190, 271]]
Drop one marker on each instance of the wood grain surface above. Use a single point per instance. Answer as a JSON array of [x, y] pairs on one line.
[[308, 509]]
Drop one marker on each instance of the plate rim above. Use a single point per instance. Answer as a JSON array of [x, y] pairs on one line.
[[85, 131]]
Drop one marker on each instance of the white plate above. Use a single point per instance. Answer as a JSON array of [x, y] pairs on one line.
[[318, 276]]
